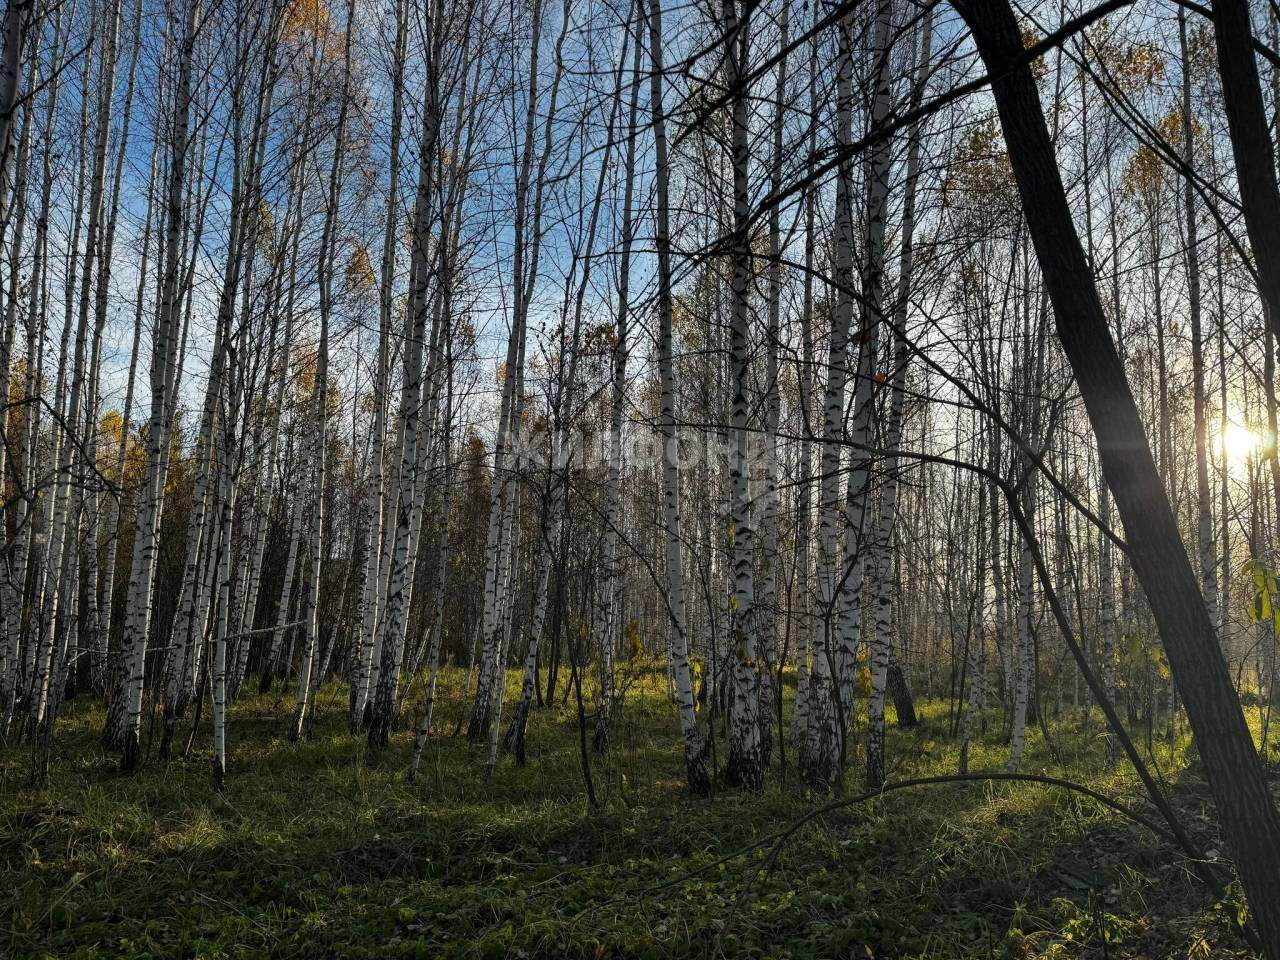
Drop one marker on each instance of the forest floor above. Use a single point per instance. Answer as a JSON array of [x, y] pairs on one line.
[[320, 850]]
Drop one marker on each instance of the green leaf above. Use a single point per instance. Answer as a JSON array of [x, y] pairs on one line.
[[1260, 609]]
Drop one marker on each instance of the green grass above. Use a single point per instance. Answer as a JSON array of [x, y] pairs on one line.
[[319, 850]]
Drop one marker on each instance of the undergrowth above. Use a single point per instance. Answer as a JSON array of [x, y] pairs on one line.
[[319, 849]]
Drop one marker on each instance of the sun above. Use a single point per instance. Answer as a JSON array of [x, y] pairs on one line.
[[1240, 442]]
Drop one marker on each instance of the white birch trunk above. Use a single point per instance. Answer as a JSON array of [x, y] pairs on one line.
[[767, 606], [376, 498], [528, 238], [805, 627], [163, 385], [822, 743], [308, 679], [407, 504], [745, 764], [694, 746]]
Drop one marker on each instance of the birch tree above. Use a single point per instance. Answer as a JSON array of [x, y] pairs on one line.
[[138, 603], [696, 773]]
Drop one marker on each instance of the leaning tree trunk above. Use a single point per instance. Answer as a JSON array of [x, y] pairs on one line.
[[1250, 821], [1251, 145]]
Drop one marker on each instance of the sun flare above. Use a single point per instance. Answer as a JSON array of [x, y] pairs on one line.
[[1240, 442]]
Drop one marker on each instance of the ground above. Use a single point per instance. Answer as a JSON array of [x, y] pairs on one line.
[[320, 850]]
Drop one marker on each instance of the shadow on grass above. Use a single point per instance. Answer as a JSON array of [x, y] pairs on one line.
[[318, 849]]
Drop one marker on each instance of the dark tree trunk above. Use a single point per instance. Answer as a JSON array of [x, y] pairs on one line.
[[901, 693], [1246, 809], [1251, 145]]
